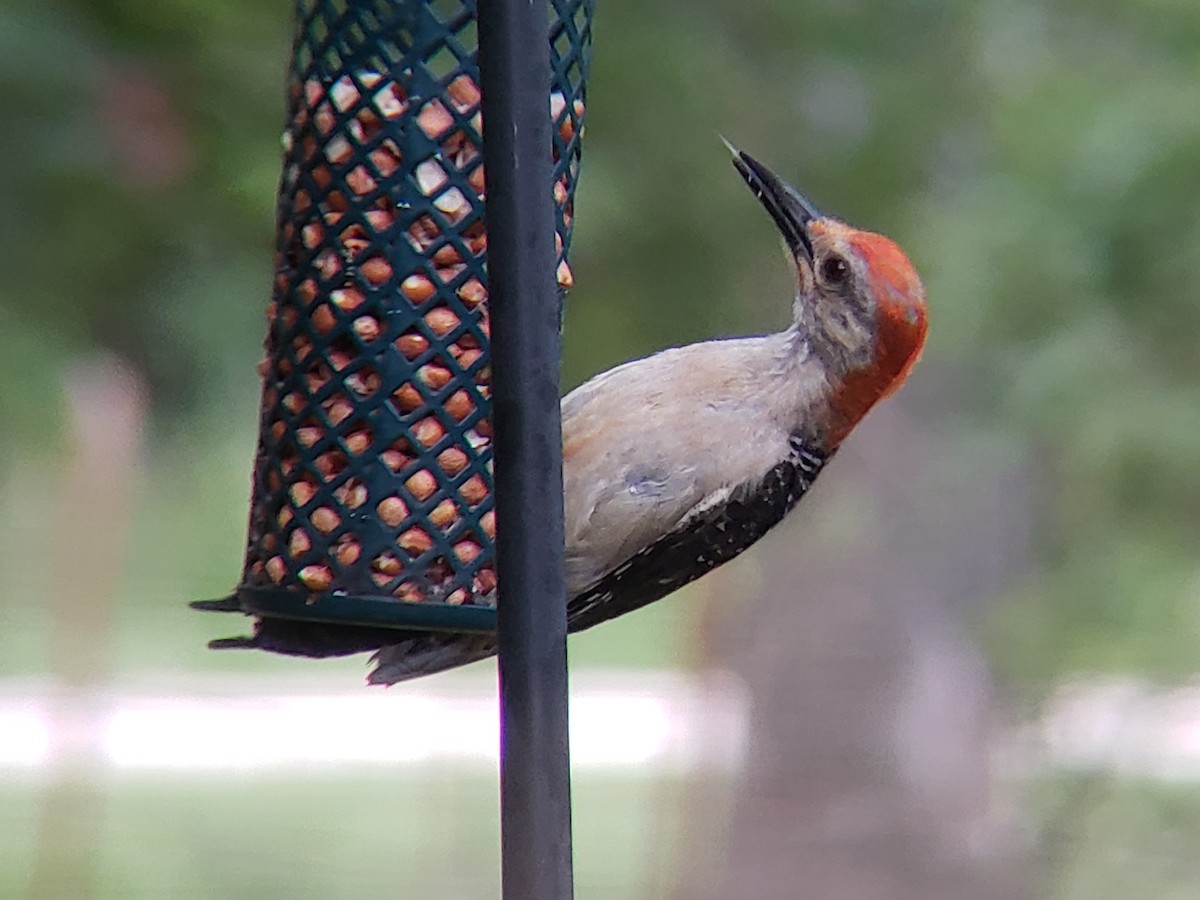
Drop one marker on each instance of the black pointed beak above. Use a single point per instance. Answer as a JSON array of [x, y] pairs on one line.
[[788, 207]]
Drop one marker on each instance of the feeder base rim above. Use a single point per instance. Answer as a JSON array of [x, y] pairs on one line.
[[351, 609]]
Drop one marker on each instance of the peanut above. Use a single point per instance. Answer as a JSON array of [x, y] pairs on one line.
[[328, 264], [423, 232], [276, 569], [352, 494], [355, 245], [381, 219], [472, 292], [309, 434], [466, 551], [299, 543], [473, 490], [392, 511], [346, 299], [565, 278], [459, 405], [312, 235], [415, 541], [344, 93], [306, 291], [468, 358], [446, 255], [464, 93], [358, 441], [367, 328], [394, 459], [485, 581], [430, 176], [385, 161], [428, 431], [409, 592], [417, 288], [301, 492], [447, 274], [412, 344], [436, 377], [441, 321], [360, 180], [324, 519], [329, 464], [323, 319], [376, 270], [453, 204], [434, 119], [422, 485], [390, 101], [387, 564], [338, 410], [407, 398], [444, 514], [316, 578], [364, 382], [348, 551], [452, 460]]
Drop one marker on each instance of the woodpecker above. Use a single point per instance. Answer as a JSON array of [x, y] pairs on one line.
[[676, 463]]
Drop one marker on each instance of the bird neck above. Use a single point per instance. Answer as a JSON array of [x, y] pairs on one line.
[[795, 377], [854, 365]]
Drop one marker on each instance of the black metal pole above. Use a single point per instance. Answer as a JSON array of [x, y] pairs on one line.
[[535, 781]]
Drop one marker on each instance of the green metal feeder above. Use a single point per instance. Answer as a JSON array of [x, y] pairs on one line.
[[372, 504]]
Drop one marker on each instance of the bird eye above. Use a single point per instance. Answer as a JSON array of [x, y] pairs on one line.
[[834, 270]]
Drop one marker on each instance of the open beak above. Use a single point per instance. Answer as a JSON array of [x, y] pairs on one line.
[[788, 207]]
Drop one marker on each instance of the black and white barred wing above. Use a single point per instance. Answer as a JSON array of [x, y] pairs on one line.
[[715, 531]]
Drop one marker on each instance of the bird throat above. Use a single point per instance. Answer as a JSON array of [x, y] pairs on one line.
[[898, 343]]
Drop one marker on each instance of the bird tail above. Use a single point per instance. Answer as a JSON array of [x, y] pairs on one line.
[[427, 653]]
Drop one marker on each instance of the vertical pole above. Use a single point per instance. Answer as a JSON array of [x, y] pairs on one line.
[[535, 786]]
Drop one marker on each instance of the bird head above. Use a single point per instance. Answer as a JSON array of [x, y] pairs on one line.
[[860, 305]]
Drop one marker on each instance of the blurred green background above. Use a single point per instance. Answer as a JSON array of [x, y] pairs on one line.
[[1034, 494]]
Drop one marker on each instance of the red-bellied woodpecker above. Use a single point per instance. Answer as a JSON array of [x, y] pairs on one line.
[[675, 464]]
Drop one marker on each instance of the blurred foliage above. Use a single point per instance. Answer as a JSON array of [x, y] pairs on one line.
[[1037, 160]]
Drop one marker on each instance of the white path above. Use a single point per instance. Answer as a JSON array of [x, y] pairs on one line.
[[635, 724], [640, 723]]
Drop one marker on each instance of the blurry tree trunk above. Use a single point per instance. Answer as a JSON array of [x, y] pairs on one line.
[[867, 775], [86, 557]]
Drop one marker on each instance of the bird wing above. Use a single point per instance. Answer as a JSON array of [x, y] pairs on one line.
[[713, 532]]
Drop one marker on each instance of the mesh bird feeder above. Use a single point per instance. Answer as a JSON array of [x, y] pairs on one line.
[[372, 502]]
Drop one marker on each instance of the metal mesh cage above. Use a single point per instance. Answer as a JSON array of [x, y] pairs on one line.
[[372, 495]]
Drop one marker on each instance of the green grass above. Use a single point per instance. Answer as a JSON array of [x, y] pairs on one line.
[[1104, 838], [386, 832]]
